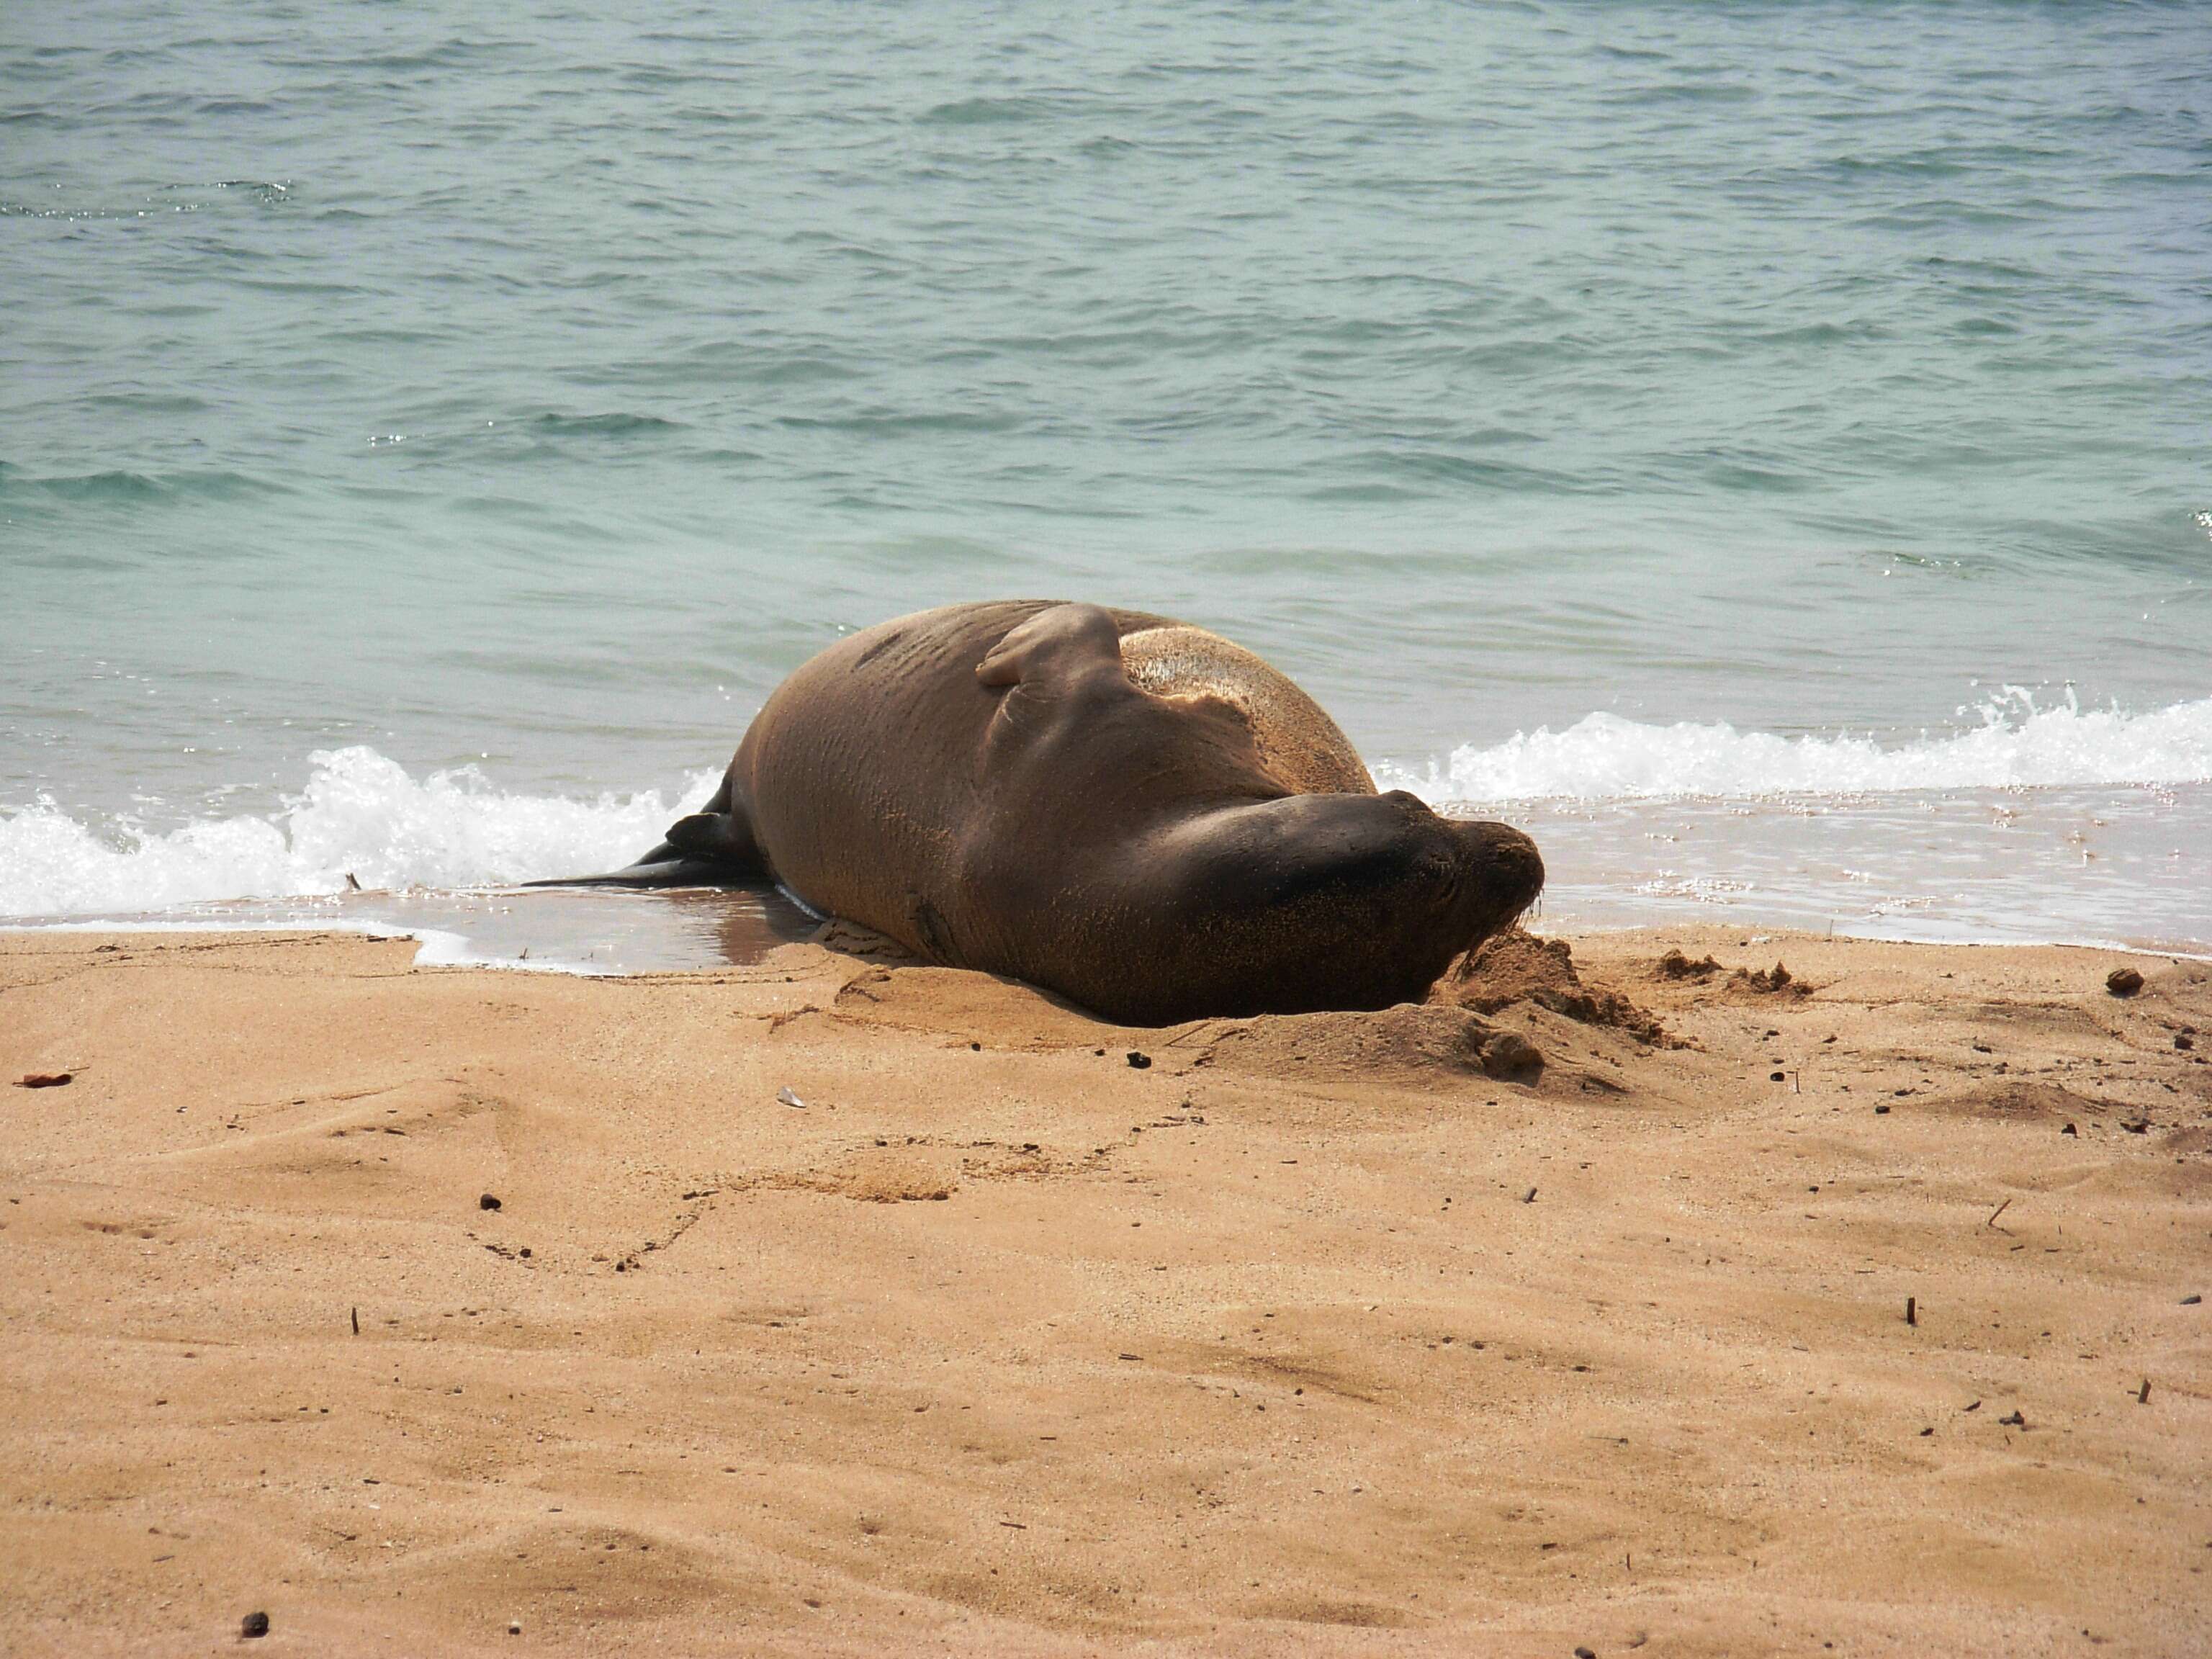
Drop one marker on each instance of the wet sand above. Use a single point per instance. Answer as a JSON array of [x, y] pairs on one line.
[[1309, 1336]]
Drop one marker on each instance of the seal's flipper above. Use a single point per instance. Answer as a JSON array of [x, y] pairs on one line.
[[662, 867], [1060, 645], [724, 837], [712, 849]]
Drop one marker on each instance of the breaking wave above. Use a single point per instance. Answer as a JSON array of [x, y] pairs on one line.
[[361, 814], [2016, 747]]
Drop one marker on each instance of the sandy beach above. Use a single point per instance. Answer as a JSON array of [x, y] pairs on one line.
[[1007, 1331]]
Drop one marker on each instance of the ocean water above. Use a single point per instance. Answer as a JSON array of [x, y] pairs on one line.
[[1761, 448]]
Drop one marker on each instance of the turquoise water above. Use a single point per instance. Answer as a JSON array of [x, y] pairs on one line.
[[529, 392]]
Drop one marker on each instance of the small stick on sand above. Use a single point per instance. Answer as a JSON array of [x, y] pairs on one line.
[[2142, 1395], [356, 1321], [1911, 1311], [1994, 1215]]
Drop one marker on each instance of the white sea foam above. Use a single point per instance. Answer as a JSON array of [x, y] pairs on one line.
[[361, 814], [2016, 745]]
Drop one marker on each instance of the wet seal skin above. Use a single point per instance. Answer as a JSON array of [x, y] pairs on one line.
[[1137, 814]]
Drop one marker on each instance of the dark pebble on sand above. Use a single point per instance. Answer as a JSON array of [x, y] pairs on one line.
[[487, 1202], [1138, 1061], [2184, 1042], [1778, 1077], [1882, 1111], [254, 1624], [1584, 1653], [2192, 1301], [44, 1079], [2124, 981]]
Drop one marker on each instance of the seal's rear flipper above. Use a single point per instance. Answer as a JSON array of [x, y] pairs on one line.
[[664, 866], [707, 849], [724, 837]]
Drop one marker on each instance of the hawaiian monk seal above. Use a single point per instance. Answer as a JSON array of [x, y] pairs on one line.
[[1132, 812]]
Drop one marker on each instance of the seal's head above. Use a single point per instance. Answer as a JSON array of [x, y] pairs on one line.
[[1449, 883], [1315, 901], [1498, 873]]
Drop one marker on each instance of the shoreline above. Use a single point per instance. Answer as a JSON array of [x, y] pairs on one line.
[[455, 946], [1309, 1335], [2106, 867]]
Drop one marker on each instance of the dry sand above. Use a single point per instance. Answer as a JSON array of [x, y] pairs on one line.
[[1309, 1337]]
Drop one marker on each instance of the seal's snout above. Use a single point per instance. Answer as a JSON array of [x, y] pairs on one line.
[[1505, 873]]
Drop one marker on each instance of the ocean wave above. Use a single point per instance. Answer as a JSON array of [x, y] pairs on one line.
[[361, 814], [618, 423], [987, 112], [132, 487], [2016, 745]]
